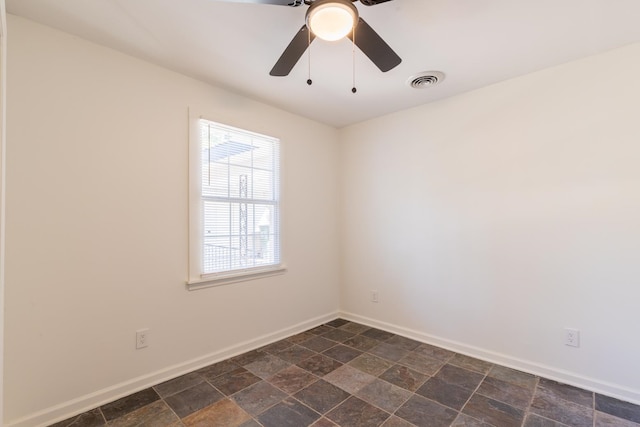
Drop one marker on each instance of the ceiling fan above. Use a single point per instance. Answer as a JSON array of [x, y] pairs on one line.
[[333, 20]]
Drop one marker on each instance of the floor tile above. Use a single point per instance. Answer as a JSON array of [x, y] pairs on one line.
[[421, 363], [267, 365], [404, 377], [318, 344], [295, 354], [394, 421], [354, 328], [606, 420], [467, 421], [459, 376], [338, 335], [567, 392], [234, 381], [193, 399], [324, 422], [248, 357], [322, 329], [178, 384], [357, 413], [618, 408], [213, 371], [277, 346], [371, 364], [156, 414], [349, 379], [338, 323], [546, 404], [292, 379], [533, 420], [127, 404], [493, 412], [258, 397], [250, 423], [377, 334], [447, 394], [288, 413], [91, 418], [434, 352], [384, 395], [512, 376], [362, 343], [342, 353], [322, 396], [224, 413], [389, 351], [319, 365], [302, 337], [471, 363], [506, 392], [403, 342], [426, 413]]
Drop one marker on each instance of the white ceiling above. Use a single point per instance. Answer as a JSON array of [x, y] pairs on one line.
[[235, 44]]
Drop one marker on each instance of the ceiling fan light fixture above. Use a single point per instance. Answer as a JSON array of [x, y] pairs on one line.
[[331, 20]]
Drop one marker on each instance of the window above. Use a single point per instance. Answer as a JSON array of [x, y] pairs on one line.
[[237, 213]]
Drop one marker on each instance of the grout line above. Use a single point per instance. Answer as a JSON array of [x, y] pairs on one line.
[[473, 393], [533, 396], [174, 412], [102, 415]]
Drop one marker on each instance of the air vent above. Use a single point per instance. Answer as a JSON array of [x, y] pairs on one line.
[[425, 79]]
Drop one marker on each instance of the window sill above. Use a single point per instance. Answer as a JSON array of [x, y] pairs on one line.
[[227, 279]]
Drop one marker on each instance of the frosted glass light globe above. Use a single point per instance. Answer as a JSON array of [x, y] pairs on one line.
[[331, 21]]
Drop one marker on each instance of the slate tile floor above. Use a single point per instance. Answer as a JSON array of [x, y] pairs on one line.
[[346, 374]]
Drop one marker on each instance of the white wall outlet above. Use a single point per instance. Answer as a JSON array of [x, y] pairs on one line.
[[374, 296], [142, 338], [572, 337]]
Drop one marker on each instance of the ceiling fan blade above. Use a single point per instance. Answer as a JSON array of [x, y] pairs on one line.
[[276, 2], [372, 2], [292, 53], [378, 51]]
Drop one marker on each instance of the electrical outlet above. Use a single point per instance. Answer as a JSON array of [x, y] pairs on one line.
[[572, 337], [142, 338], [374, 296]]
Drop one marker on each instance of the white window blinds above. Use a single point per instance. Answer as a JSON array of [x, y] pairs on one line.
[[240, 199]]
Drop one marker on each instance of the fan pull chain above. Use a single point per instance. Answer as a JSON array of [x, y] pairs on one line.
[[353, 54], [309, 81]]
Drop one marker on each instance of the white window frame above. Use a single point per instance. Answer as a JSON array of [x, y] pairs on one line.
[[197, 278]]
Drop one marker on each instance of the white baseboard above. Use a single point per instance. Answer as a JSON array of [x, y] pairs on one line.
[[85, 403], [549, 372], [77, 406]]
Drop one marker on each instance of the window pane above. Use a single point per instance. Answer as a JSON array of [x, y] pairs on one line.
[[239, 235], [263, 156], [215, 180], [240, 206], [240, 179], [263, 185]]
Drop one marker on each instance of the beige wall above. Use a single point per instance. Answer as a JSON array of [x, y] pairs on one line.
[[97, 227], [3, 82], [490, 221]]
